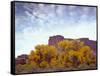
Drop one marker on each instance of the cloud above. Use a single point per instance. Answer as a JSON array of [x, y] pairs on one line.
[[35, 23]]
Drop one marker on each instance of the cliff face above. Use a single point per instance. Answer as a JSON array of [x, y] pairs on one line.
[[53, 40], [21, 59], [91, 43]]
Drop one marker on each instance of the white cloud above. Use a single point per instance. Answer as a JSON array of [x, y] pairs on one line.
[[38, 30]]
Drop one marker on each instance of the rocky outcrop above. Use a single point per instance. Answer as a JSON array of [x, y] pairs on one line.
[[53, 40], [21, 59], [91, 43]]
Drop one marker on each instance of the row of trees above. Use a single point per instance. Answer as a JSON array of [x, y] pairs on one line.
[[66, 55]]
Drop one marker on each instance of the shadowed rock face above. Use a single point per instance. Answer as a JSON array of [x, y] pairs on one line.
[[91, 43], [53, 40], [21, 59]]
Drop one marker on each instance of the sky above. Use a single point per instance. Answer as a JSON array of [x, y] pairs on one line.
[[35, 23]]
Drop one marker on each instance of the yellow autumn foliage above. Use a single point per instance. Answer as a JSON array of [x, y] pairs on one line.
[[67, 54], [44, 64]]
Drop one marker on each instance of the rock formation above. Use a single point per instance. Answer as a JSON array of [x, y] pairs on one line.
[[53, 40], [21, 59]]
